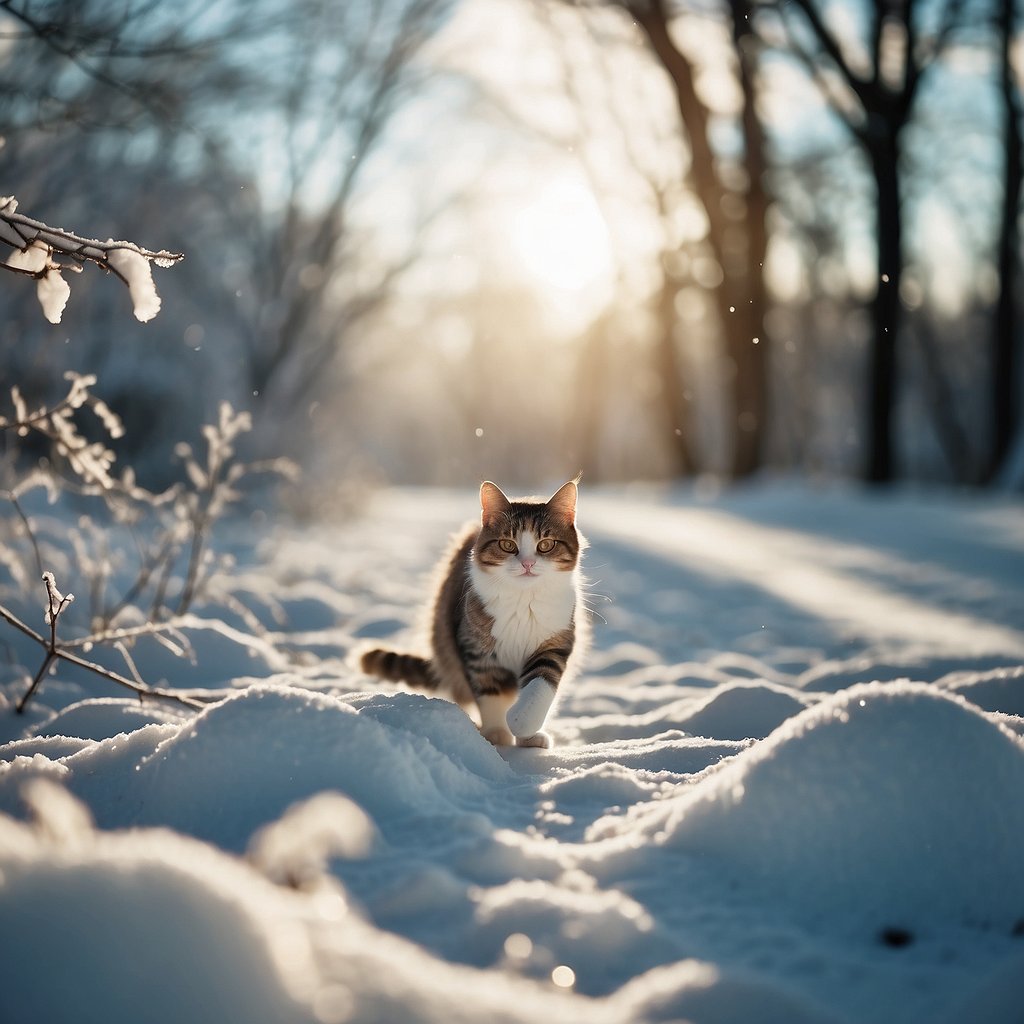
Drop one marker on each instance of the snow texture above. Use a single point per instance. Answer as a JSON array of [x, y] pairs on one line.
[[53, 293], [32, 259], [138, 275], [788, 787]]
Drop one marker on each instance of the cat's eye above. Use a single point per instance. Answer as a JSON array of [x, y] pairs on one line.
[[508, 546], [545, 545]]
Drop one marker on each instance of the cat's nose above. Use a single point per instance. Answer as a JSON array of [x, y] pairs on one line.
[[528, 563]]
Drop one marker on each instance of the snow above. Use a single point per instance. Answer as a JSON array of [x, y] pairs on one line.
[[53, 293], [893, 766], [788, 785], [138, 275], [51, 289], [32, 259]]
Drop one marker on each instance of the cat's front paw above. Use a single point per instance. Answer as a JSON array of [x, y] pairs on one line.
[[538, 739], [527, 715], [499, 736]]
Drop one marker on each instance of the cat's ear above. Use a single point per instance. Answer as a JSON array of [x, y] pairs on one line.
[[562, 504], [493, 502]]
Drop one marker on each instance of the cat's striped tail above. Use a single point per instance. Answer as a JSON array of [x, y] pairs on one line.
[[410, 669]]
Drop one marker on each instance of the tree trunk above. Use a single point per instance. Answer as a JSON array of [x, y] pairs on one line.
[[748, 385], [885, 313], [592, 399], [740, 299], [750, 336], [1005, 326], [676, 409]]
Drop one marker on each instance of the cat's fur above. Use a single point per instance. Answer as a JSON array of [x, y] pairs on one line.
[[507, 627]]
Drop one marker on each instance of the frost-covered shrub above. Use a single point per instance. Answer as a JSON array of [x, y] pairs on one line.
[[142, 561]]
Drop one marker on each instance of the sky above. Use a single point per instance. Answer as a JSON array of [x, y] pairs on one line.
[[508, 47]]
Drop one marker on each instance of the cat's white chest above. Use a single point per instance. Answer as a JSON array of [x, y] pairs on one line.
[[525, 616]]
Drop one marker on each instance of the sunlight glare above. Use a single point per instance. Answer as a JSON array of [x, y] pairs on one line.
[[561, 240]]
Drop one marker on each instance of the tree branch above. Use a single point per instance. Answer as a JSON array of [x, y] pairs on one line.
[[36, 247], [68, 244], [57, 652]]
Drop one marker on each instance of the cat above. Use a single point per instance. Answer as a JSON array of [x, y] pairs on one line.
[[507, 620]]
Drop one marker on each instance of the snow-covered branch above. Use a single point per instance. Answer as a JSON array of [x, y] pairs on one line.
[[89, 461], [45, 253], [172, 531]]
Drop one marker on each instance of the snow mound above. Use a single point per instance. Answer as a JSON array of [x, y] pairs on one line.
[[892, 803], [53, 747], [240, 763], [308, 743], [152, 926], [169, 915], [1001, 689], [602, 934], [740, 711], [103, 717], [446, 726], [736, 710], [694, 991]]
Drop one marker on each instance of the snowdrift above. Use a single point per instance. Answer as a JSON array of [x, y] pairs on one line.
[[887, 806], [750, 813]]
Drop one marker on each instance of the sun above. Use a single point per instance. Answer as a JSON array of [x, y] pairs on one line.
[[560, 239]]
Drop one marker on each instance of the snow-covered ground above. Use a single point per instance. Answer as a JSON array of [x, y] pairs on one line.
[[789, 787]]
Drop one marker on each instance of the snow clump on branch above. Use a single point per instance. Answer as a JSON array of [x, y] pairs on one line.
[[134, 269], [45, 253]]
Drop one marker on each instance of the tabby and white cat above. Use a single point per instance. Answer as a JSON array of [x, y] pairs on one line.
[[507, 619]]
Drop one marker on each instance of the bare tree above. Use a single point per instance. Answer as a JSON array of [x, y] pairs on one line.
[[625, 119], [1006, 325], [262, 125], [735, 201], [872, 84], [106, 66], [345, 73]]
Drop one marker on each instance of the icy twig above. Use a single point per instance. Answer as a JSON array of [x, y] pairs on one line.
[[55, 604], [214, 489], [157, 601], [12, 497], [44, 253]]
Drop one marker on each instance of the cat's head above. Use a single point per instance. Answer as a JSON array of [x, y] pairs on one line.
[[530, 539]]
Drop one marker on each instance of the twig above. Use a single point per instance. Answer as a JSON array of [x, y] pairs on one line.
[[56, 602], [194, 512], [55, 652], [150, 564], [107, 635], [74, 246], [26, 522]]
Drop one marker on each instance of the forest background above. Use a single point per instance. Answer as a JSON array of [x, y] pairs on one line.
[[430, 241]]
